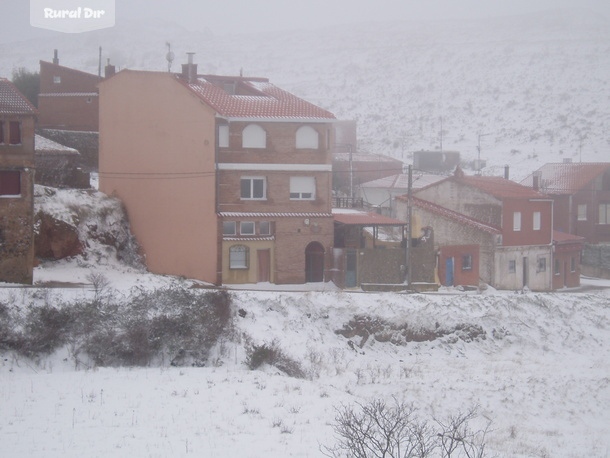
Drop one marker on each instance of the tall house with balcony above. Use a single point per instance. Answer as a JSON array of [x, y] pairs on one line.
[[17, 123], [225, 179]]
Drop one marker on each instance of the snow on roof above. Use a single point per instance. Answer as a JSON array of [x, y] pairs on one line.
[[267, 102], [273, 215], [401, 181], [500, 187], [564, 238], [566, 178], [48, 146], [12, 101], [363, 157], [455, 216]]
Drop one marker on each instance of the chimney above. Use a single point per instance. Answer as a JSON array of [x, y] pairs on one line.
[[55, 58], [536, 180], [189, 70], [506, 171], [109, 70]]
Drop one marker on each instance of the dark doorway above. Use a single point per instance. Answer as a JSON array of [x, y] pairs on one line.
[[263, 273], [314, 263]]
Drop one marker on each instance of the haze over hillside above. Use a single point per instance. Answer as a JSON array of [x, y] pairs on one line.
[[528, 89]]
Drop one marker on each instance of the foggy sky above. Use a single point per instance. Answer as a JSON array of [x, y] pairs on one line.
[[232, 16]]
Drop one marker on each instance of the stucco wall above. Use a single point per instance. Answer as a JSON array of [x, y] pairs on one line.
[[157, 155], [536, 280]]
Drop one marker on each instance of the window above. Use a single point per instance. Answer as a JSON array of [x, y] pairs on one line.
[[223, 136], [512, 267], [582, 212], [467, 262], [229, 228], [238, 257], [516, 221], [57, 79], [604, 213], [307, 138], [10, 183], [302, 188], [557, 267], [536, 221], [541, 265], [253, 136], [264, 228], [572, 264], [253, 188], [246, 228], [14, 132], [1, 132]]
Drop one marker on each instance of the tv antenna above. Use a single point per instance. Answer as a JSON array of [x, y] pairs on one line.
[[169, 56]]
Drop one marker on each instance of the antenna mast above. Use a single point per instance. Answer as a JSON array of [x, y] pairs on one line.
[[169, 56]]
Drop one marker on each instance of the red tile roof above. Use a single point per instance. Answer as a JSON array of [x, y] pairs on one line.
[[359, 218], [567, 178], [12, 101], [500, 187], [455, 216], [267, 101]]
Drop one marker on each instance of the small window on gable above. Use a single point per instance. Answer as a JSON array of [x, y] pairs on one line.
[[229, 228], [223, 136], [57, 79], [307, 138], [10, 183], [14, 134], [516, 221], [537, 220], [238, 257], [302, 188], [254, 136]]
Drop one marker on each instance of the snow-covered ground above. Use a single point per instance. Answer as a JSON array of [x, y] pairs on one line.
[[541, 375]]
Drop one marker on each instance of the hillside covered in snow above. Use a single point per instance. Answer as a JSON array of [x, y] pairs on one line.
[[525, 89]]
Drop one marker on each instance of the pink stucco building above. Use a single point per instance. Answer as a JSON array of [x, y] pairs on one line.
[[225, 179]]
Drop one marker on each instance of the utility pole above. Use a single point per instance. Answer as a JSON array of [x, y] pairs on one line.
[[351, 175], [409, 216]]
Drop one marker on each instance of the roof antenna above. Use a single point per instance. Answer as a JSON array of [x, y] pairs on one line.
[[241, 72], [169, 56]]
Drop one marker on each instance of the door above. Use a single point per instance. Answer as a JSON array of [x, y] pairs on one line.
[[263, 271], [314, 263], [449, 272], [351, 268]]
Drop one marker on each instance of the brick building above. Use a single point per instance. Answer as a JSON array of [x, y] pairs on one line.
[[17, 123], [225, 179]]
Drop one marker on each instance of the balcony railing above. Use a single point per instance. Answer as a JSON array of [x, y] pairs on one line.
[[348, 202]]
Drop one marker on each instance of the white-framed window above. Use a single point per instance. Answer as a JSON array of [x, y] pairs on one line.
[[512, 267], [467, 262], [253, 136], [223, 135], [264, 228], [516, 221], [229, 228], [536, 221], [541, 264], [302, 188], [307, 138], [582, 212], [57, 79], [238, 257], [247, 228], [604, 213], [253, 188]]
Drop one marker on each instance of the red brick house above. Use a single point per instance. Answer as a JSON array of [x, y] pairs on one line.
[[17, 123], [581, 195], [521, 254], [226, 179]]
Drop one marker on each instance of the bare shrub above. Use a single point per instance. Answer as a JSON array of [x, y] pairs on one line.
[[257, 355], [379, 430]]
